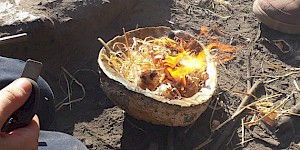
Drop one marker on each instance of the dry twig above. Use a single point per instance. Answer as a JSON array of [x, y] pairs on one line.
[[242, 106], [13, 38], [69, 90], [230, 126]]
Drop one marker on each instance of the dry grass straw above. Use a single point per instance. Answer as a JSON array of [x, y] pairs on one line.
[[222, 3], [230, 139], [212, 114], [240, 145], [243, 124], [283, 102], [273, 109], [217, 15], [104, 44], [278, 77], [204, 143], [135, 126], [243, 132], [68, 101], [240, 109], [296, 85]]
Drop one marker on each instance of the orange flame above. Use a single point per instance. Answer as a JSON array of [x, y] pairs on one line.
[[185, 62]]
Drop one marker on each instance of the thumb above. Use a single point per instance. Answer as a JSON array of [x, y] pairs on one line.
[[13, 97]]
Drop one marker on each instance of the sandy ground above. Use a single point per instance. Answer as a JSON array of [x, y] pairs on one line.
[[66, 36]]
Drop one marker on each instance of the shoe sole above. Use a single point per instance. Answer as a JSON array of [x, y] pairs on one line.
[[272, 23]]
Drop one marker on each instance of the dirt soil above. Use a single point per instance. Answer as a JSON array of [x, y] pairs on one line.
[[67, 37]]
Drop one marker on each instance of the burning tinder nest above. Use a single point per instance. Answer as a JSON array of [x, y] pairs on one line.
[[158, 75]]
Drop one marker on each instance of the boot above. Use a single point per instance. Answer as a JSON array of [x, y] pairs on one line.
[[280, 15]]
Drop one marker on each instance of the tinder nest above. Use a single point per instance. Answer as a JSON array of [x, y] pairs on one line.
[[139, 97]]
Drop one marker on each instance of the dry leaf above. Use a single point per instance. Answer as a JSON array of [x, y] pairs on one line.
[[270, 119]]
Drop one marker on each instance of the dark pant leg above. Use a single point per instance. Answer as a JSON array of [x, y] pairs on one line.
[[50, 140], [11, 69]]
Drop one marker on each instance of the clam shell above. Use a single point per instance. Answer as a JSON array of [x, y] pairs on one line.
[[144, 105]]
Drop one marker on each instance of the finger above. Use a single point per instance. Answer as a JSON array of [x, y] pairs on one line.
[[26, 137], [12, 97], [36, 122], [32, 129]]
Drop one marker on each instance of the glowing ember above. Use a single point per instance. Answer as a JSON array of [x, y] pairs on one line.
[[172, 68]]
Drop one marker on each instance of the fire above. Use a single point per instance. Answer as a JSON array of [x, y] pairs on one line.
[[171, 67], [183, 64]]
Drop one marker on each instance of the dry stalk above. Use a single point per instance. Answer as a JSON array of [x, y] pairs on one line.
[[239, 145], [223, 3], [188, 128], [217, 15], [104, 44], [126, 39], [230, 139], [231, 118], [242, 109], [274, 65], [296, 85], [212, 114], [209, 139], [244, 93], [249, 84], [290, 113], [69, 90], [293, 69], [68, 93], [243, 132], [273, 110], [281, 67], [214, 108], [284, 119], [135, 126], [246, 141], [278, 77]]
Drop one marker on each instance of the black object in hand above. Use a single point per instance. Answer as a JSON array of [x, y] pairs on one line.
[[23, 116]]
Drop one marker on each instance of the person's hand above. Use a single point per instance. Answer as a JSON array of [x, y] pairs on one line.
[[12, 97]]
